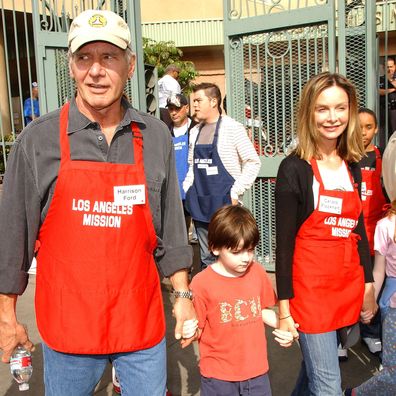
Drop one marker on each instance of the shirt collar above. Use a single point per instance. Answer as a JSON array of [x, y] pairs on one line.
[[78, 121]]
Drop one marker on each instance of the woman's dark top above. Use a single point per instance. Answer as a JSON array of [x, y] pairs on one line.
[[294, 202]]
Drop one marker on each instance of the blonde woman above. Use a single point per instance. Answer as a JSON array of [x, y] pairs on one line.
[[323, 271]]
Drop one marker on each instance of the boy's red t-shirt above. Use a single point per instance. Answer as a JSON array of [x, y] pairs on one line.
[[232, 346]]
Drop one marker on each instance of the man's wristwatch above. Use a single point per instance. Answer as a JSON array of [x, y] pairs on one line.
[[183, 294]]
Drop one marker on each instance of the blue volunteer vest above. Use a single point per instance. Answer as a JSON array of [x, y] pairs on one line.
[[212, 182]]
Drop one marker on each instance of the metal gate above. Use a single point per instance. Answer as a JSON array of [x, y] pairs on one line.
[[272, 48]]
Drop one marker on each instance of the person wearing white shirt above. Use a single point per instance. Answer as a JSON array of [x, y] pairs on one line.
[[223, 163], [168, 85]]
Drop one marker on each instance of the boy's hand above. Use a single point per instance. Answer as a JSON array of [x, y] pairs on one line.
[[189, 328], [190, 332], [183, 310]]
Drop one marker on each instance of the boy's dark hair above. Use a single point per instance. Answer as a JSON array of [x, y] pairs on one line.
[[371, 112], [229, 226], [211, 91]]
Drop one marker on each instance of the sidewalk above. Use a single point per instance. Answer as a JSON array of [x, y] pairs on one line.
[[183, 374]]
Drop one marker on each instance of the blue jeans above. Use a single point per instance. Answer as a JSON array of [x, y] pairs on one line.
[[320, 370], [207, 257], [139, 373]]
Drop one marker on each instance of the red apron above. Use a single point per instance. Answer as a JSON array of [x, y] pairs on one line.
[[373, 199], [98, 288], [328, 279]]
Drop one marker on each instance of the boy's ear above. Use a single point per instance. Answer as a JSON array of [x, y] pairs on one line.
[[216, 252]]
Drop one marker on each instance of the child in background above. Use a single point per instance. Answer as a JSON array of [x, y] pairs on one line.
[[231, 297], [373, 197], [384, 382], [373, 201]]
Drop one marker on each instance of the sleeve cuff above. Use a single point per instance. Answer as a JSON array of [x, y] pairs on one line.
[[175, 259]]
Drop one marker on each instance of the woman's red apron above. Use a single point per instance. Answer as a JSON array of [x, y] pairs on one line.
[[373, 198], [98, 288], [328, 279]]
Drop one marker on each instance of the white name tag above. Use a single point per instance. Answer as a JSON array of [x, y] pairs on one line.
[[212, 170], [202, 166], [330, 204], [130, 195]]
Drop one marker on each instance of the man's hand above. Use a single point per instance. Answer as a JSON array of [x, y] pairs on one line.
[[183, 310], [12, 335]]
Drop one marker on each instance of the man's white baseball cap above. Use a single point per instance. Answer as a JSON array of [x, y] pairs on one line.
[[98, 25]]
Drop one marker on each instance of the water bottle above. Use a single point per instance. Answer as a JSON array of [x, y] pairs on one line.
[[21, 367]]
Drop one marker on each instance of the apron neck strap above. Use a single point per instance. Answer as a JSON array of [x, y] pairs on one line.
[[315, 170], [64, 141], [216, 135], [318, 177], [137, 141]]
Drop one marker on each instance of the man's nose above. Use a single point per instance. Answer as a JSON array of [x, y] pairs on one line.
[[96, 69]]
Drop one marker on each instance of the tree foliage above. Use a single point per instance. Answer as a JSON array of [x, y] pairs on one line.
[[164, 53]]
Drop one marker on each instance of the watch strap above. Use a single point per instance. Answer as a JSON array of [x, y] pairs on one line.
[[183, 294]]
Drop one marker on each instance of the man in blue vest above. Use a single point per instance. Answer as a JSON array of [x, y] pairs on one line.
[[180, 126]]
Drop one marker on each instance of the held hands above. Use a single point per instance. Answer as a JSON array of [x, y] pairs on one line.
[[283, 337], [287, 323], [190, 327], [184, 311], [287, 331], [369, 307], [366, 316]]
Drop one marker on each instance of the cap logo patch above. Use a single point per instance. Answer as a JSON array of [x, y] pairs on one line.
[[97, 21]]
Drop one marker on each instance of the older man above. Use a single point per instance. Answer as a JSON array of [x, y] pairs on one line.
[[92, 188]]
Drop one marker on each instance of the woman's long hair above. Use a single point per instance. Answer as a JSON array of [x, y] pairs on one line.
[[350, 143]]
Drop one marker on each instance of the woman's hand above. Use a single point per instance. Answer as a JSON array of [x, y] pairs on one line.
[[369, 307], [286, 323], [366, 316]]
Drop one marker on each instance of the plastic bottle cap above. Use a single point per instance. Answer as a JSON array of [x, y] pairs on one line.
[[24, 386]]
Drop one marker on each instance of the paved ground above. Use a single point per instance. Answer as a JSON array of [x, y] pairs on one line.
[[183, 374]]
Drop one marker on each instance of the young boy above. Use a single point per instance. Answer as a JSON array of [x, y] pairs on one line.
[[373, 201], [230, 298]]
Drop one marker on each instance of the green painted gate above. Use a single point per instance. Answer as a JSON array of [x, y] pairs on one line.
[[272, 48]]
